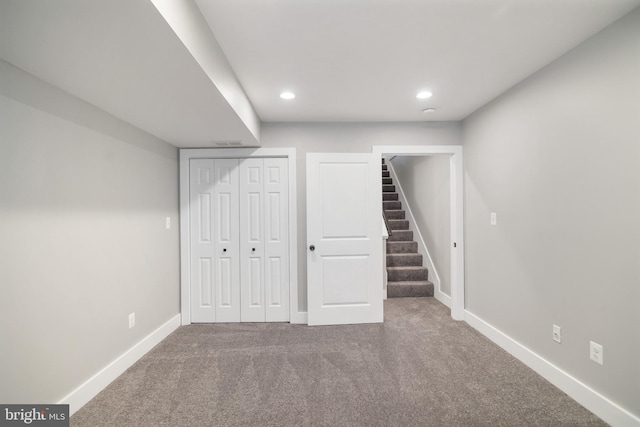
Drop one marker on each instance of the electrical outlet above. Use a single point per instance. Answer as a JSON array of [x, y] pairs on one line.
[[132, 320], [557, 334], [167, 222], [596, 352], [494, 218]]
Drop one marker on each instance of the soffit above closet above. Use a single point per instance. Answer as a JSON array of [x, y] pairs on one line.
[[122, 57]]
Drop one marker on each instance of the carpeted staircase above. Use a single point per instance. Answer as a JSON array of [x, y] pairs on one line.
[[406, 277]]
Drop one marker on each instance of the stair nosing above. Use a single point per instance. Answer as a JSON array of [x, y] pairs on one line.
[[412, 283]]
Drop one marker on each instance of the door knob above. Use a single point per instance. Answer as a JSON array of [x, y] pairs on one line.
[[224, 250], [312, 248], [253, 249]]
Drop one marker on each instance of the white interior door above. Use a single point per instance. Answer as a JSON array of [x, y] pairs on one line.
[[252, 240], [276, 239], [344, 241], [201, 182], [215, 285], [226, 241]]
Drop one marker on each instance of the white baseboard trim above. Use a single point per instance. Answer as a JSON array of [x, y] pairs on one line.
[[94, 385], [603, 407], [442, 297]]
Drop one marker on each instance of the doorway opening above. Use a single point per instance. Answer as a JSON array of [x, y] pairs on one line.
[[456, 200]]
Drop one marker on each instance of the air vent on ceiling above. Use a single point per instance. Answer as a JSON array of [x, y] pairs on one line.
[[227, 143]]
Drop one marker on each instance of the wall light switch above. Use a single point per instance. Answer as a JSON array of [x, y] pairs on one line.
[[167, 222], [494, 218]]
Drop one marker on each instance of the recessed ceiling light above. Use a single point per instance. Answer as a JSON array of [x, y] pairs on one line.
[[287, 95], [429, 110], [424, 94]]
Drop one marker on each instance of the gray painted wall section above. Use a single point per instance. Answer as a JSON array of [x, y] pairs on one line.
[[345, 138], [83, 201], [557, 157]]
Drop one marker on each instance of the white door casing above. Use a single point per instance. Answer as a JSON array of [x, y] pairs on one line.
[[344, 252], [186, 278], [239, 217], [456, 179]]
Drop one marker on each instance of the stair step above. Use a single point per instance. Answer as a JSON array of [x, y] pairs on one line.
[[386, 174], [404, 260], [388, 188], [409, 289], [394, 213], [387, 180], [391, 205], [401, 236], [402, 247], [384, 167], [399, 224], [389, 196], [411, 273]]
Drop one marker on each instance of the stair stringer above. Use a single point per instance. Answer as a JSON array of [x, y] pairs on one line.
[[422, 247]]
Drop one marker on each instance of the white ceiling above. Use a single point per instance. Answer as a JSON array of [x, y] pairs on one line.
[[347, 60], [364, 60]]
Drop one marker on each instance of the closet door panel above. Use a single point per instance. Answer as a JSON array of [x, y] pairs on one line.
[[226, 238], [201, 184], [276, 176], [252, 240]]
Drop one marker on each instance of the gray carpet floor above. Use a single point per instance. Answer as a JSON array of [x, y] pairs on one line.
[[419, 368]]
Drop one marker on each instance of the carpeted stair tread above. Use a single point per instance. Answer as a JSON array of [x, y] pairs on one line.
[[401, 236], [394, 213], [391, 205], [394, 247], [403, 260], [414, 273], [399, 224], [386, 188], [409, 289], [387, 197]]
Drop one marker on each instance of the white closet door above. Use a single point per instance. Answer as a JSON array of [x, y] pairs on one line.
[[201, 183], [276, 255], [226, 239], [252, 240]]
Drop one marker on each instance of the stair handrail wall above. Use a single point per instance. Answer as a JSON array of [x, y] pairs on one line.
[[422, 247]]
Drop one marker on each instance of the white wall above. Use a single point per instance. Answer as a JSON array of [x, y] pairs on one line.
[[345, 137], [83, 201], [425, 182], [558, 158]]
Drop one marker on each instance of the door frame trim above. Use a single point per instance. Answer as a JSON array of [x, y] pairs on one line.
[[186, 154], [456, 180]]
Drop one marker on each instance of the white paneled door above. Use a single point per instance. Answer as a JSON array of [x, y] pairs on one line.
[[344, 242], [239, 233]]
